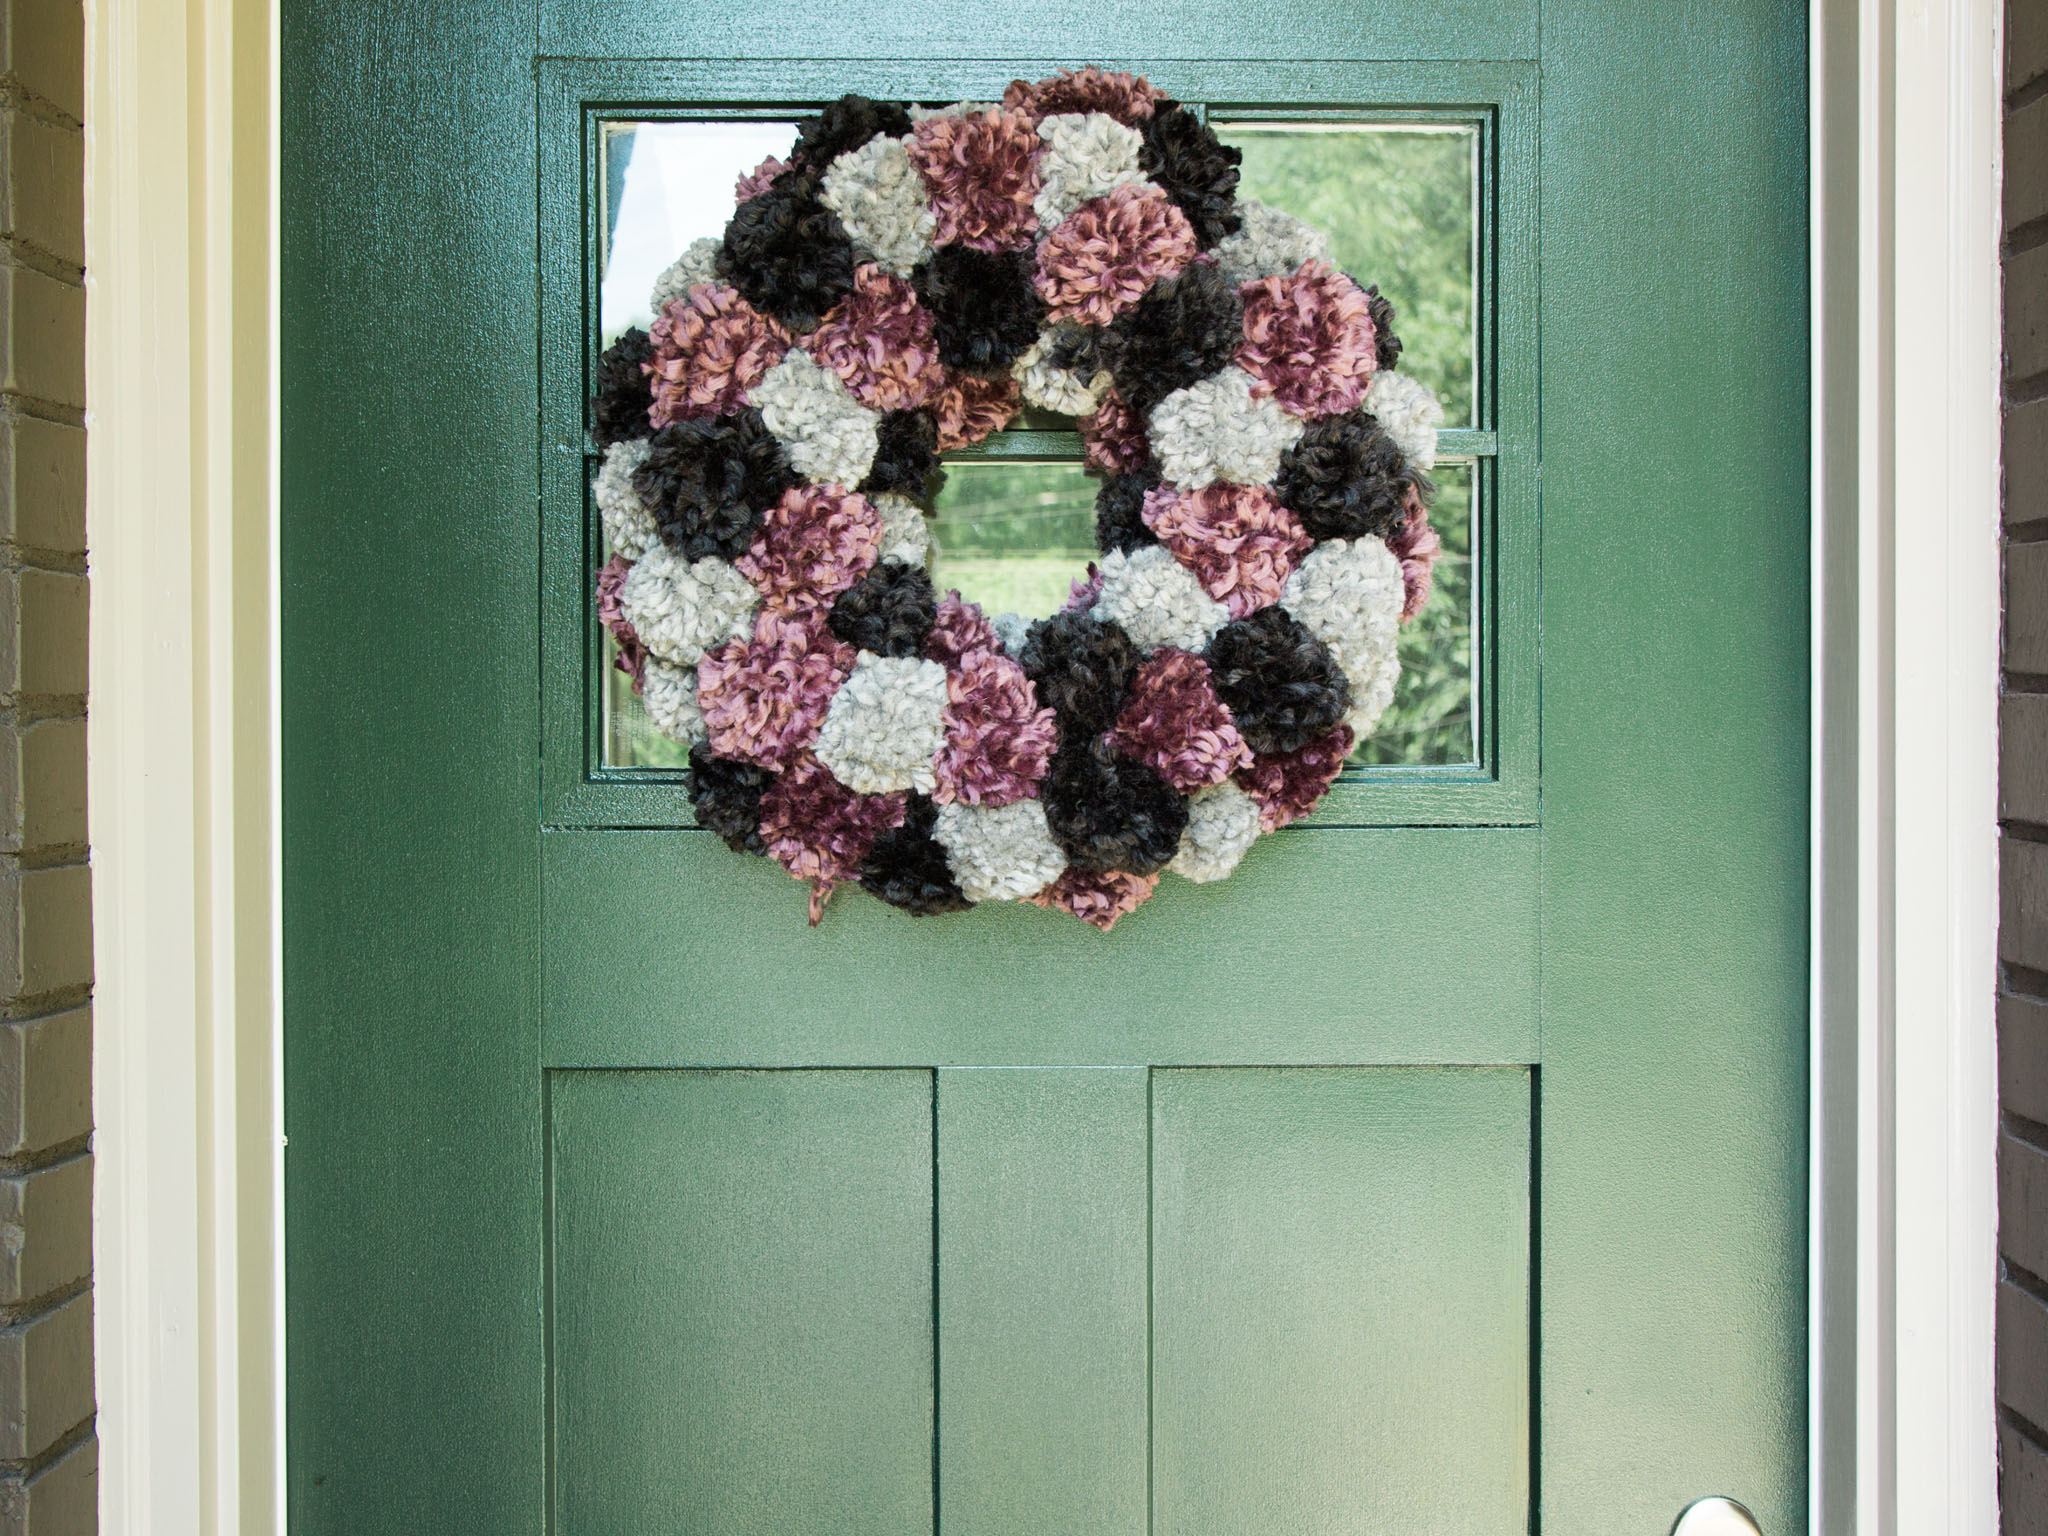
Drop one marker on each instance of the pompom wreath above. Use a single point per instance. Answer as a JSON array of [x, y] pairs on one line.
[[897, 286]]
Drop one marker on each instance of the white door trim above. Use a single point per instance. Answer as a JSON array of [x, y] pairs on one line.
[[182, 284]]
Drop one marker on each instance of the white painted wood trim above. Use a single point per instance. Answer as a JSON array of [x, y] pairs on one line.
[[1907, 118], [182, 288], [181, 342]]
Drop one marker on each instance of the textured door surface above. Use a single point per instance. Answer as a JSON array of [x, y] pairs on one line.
[[1442, 1171]]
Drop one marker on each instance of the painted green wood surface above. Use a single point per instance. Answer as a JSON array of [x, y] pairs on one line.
[[1641, 933], [742, 1281], [1340, 1301], [1043, 1204]]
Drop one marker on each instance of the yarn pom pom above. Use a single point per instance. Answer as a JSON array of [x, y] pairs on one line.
[[1308, 340], [1100, 261], [1097, 899], [1198, 170], [709, 347], [998, 739], [890, 612], [1238, 540], [707, 482], [1110, 812], [1175, 725], [1288, 785], [787, 253], [1113, 440], [981, 171], [759, 179], [906, 460], [1416, 545], [1081, 667], [880, 341], [726, 795], [1120, 512], [1186, 328], [1345, 478], [969, 408], [907, 866], [765, 699], [986, 313], [812, 545], [1386, 345], [844, 126], [1127, 98], [821, 831], [611, 612], [618, 406], [1282, 685], [959, 628]]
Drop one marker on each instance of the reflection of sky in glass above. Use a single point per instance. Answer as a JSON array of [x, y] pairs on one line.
[[677, 187]]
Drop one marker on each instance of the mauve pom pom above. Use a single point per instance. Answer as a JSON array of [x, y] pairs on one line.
[[611, 612], [881, 342], [980, 170], [969, 408], [1308, 340], [1097, 899], [1241, 544], [1127, 98], [1416, 545], [813, 544], [1175, 725], [999, 740], [1288, 785], [1106, 253], [710, 346], [819, 830], [1113, 440], [764, 698]]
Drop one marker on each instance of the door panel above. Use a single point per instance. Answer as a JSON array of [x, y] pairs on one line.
[[742, 1302], [1340, 1300]]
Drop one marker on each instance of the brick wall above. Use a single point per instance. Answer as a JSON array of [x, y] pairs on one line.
[[48, 1456], [2023, 793]]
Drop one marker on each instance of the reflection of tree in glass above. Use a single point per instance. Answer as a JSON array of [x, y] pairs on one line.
[[1398, 208]]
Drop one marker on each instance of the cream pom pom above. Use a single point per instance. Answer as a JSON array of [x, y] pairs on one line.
[[1223, 821], [670, 696], [999, 852], [1086, 154], [906, 535], [1217, 429], [882, 203], [830, 436], [885, 724], [1157, 600], [680, 610], [1010, 628], [1269, 243], [1348, 594], [1410, 415], [697, 264], [1057, 389], [629, 527]]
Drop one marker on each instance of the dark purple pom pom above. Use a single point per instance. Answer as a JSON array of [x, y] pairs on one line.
[[1386, 346], [1109, 812], [844, 126], [1120, 512], [1280, 682], [708, 480], [890, 612], [787, 253], [906, 458], [1081, 668], [1186, 328], [907, 866], [1344, 478], [726, 796], [985, 310], [1199, 172], [618, 407]]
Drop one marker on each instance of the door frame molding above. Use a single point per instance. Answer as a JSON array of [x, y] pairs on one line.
[[182, 285]]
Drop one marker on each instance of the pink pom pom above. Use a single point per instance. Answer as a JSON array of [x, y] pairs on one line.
[[765, 698], [1130, 99], [1098, 899], [1288, 785], [999, 742], [813, 544], [819, 830], [1113, 438], [881, 341], [1109, 251], [970, 407], [982, 177], [710, 346], [1416, 545], [1241, 544], [611, 612], [1174, 724], [1308, 340]]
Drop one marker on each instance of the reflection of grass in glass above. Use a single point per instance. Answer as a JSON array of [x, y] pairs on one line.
[[1398, 205], [1430, 720], [1033, 585], [1013, 537]]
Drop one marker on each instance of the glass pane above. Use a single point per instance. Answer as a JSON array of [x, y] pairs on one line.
[[1431, 719], [1014, 537], [665, 185], [1400, 204]]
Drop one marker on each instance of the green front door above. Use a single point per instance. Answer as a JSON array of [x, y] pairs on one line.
[[1441, 1171]]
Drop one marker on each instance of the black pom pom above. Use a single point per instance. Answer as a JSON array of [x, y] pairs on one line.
[[618, 409], [890, 612], [1186, 328], [787, 253], [1120, 512], [1081, 667], [1344, 478], [1386, 346], [727, 798], [1077, 349], [845, 125], [906, 458], [1279, 681], [1109, 812], [709, 479], [985, 310], [1198, 171], [907, 866]]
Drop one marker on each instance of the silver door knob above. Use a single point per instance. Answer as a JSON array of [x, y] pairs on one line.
[[1716, 1517]]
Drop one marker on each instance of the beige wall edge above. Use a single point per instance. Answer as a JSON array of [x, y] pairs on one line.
[[180, 209]]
